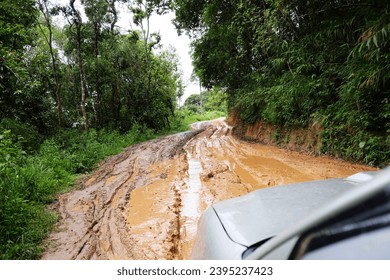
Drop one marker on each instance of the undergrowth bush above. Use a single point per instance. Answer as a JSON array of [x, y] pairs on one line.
[[184, 118], [29, 182], [23, 219], [26, 135]]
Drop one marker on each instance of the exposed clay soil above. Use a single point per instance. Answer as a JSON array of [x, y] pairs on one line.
[[145, 202]]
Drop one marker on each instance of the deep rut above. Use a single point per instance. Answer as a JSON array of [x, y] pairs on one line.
[[145, 202]]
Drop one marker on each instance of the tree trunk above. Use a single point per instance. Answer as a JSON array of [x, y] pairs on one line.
[[78, 22], [82, 79], [114, 14], [98, 88], [116, 103], [49, 40]]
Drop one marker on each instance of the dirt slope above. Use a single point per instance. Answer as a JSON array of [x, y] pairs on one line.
[[145, 202]]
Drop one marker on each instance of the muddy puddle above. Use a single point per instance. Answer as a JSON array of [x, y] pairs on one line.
[[145, 202]]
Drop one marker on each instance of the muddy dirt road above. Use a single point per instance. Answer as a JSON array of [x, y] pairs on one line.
[[145, 202]]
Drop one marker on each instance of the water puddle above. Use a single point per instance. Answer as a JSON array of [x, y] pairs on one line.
[[149, 205], [191, 195], [190, 211]]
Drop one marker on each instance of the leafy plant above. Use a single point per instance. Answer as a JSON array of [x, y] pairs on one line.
[[285, 62]]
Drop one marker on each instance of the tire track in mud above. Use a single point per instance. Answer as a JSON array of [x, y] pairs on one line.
[[145, 202], [93, 219]]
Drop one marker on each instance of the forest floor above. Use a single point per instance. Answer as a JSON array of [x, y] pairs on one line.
[[144, 203]]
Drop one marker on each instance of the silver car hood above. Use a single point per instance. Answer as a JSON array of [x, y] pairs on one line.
[[264, 213]]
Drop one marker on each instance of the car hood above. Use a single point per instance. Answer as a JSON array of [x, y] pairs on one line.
[[264, 213]]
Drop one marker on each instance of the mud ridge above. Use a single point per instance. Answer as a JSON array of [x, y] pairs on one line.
[[90, 215]]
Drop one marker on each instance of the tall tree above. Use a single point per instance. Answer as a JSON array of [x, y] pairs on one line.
[[47, 13], [96, 12], [21, 95], [142, 11], [78, 23]]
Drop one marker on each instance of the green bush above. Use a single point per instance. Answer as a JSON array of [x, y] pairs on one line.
[[23, 220], [184, 118], [26, 135], [29, 183]]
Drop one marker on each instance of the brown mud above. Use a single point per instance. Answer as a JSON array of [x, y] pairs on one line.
[[145, 202]]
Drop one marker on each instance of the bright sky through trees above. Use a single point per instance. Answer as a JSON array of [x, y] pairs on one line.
[[163, 25]]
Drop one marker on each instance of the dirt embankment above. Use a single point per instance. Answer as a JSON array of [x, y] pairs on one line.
[[298, 139], [145, 202]]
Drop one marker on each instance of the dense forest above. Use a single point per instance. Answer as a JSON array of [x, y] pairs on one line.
[[296, 63], [49, 73], [74, 89]]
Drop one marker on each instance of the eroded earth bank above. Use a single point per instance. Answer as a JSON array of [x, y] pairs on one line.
[[145, 202]]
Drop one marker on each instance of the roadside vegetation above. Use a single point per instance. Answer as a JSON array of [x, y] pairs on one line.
[[30, 181], [299, 63], [34, 171], [71, 95], [208, 105], [75, 93]]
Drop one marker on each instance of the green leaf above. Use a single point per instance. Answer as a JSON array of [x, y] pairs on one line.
[[375, 40]]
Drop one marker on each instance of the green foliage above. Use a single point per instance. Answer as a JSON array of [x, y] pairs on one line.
[[291, 63], [214, 99], [41, 76], [130, 95], [28, 183], [16, 17], [184, 118], [23, 220], [20, 98], [357, 145], [27, 135], [194, 103], [208, 105]]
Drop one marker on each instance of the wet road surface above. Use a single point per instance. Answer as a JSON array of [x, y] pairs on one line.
[[145, 202]]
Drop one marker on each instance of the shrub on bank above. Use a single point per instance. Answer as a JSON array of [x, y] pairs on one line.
[[29, 182]]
